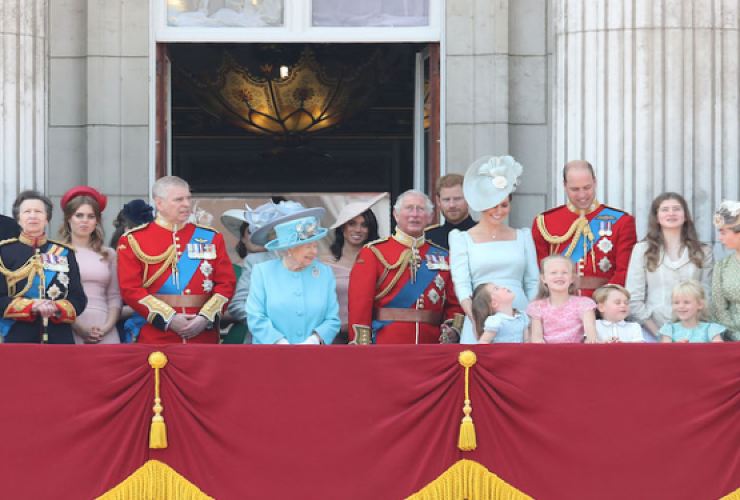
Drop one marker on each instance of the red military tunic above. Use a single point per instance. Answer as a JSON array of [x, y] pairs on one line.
[[607, 259], [375, 281], [147, 256]]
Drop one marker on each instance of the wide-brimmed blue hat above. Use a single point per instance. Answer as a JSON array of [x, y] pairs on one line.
[[296, 232]]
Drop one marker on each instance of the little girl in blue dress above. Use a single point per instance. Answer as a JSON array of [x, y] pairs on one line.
[[496, 317], [688, 307]]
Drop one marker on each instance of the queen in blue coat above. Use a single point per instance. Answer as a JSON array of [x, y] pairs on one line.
[[293, 300]]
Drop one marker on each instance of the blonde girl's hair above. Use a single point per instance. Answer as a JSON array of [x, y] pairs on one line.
[[97, 237], [542, 291], [691, 288], [602, 293], [481, 306]]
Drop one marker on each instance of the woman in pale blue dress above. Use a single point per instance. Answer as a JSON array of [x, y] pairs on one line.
[[491, 251], [293, 300]]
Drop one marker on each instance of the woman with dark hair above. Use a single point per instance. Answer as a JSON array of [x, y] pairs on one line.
[[82, 207], [40, 290], [670, 253], [134, 213], [356, 225], [492, 251]]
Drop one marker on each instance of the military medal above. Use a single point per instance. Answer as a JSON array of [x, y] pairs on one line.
[[437, 262], [55, 262], [53, 292], [605, 245], [63, 279], [439, 282], [202, 251], [605, 265], [433, 295], [207, 269]]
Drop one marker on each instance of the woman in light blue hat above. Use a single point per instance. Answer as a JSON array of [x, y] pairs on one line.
[[293, 300], [254, 227], [492, 251]]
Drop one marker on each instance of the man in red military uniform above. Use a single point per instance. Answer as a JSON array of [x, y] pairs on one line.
[[400, 288], [176, 275], [596, 237]]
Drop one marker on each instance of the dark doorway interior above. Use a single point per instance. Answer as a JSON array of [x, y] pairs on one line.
[[262, 118]]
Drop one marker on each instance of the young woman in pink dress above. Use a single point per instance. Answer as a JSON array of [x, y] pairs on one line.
[[82, 208]]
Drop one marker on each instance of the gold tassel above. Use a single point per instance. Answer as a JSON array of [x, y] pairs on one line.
[[157, 480], [469, 479], [466, 440], [158, 430]]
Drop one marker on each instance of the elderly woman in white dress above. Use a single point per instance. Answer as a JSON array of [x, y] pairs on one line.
[[491, 251], [293, 300]]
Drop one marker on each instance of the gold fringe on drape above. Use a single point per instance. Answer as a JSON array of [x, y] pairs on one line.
[[468, 480], [155, 480], [735, 495]]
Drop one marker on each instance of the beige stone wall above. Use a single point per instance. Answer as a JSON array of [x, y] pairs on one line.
[[497, 93], [23, 85], [649, 93], [99, 98]]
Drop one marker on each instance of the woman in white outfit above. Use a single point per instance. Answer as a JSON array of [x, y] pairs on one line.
[[670, 253]]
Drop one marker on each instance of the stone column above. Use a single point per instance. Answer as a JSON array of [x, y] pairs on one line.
[[22, 98], [648, 93]]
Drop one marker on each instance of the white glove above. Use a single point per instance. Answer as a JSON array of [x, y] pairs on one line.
[[282, 341], [312, 339]]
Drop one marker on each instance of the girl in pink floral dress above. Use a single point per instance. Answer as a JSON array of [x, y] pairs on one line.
[[558, 315]]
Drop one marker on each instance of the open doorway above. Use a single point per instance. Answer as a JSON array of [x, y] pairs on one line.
[[265, 118]]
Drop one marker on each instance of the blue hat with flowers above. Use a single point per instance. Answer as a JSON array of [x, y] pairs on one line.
[[489, 180], [296, 232]]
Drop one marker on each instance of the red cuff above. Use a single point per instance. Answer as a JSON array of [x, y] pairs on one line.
[[20, 310], [66, 312]]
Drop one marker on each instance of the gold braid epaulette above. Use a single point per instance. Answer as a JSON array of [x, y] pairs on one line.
[[401, 264], [27, 271], [168, 258], [580, 226]]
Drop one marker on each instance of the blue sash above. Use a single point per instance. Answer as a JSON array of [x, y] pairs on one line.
[[33, 292], [186, 268], [407, 295], [605, 213]]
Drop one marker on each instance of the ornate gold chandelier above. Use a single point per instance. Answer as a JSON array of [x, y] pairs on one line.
[[268, 97]]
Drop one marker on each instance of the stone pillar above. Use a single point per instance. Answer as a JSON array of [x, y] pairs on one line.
[[648, 93], [22, 98]]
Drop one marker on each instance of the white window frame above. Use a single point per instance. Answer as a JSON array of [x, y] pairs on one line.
[[297, 28]]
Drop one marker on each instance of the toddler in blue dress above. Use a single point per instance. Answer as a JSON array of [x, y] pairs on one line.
[[689, 302], [496, 317]]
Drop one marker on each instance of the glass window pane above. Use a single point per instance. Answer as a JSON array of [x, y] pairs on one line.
[[370, 13], [225, 13]]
